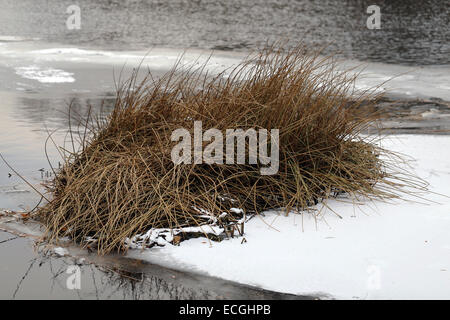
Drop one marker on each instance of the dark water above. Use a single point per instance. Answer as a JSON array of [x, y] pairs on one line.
[[412, 32]]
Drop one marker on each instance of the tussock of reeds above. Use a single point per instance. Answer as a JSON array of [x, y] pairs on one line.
[[122, 182]]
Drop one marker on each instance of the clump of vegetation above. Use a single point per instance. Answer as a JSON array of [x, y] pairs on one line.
[[122, 182]]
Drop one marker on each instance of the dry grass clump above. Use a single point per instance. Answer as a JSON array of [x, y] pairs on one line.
[[123, 182]]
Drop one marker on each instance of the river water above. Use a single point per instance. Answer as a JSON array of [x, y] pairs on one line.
[[44, 66]]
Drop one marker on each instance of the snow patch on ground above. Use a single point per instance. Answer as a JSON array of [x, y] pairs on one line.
[[376, 251]]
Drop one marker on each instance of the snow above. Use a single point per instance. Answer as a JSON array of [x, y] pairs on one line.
[[378, 250]]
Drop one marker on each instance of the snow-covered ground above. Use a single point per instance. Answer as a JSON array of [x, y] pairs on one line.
[[376, 251]]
